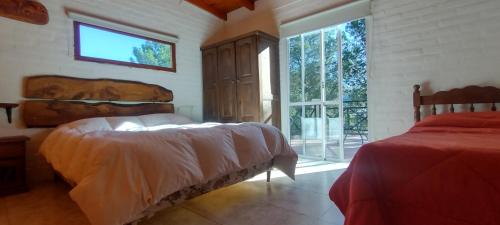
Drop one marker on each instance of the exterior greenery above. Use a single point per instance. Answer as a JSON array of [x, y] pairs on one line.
[[354, 82], [153, 53], [354, 60]]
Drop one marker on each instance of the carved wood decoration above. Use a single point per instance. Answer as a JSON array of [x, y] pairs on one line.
[[221, 8], [469, 95], [24, 10], [72, 88], [53, 113]]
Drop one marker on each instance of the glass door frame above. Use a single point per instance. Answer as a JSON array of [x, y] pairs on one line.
[[323, 102], [285, 79]]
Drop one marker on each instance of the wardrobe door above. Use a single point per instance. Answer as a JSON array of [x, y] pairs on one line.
[[210, 95], [270, 88], [247, 74], [226, 76]]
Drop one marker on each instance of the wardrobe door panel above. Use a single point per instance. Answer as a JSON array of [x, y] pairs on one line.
[[226, 78], [210, 96], [227, 93], [248, 106], [247, 80]]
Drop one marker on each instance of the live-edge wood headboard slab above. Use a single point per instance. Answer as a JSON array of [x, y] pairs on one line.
[[73, 88], [57, 100]]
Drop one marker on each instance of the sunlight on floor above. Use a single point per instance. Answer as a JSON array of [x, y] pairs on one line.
[[304, 166]]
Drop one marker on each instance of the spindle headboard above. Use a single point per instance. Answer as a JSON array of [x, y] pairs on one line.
[[469, 95]]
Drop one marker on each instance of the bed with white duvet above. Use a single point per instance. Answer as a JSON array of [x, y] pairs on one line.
[[122, 166]]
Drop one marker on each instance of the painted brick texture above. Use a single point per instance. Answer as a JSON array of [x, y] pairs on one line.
[[440, 44]]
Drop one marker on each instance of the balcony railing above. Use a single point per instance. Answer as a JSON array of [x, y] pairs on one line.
[[355, 119]]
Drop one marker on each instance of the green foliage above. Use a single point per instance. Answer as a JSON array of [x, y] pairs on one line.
[[295, 68], [153, 53], [312, 64], [354, 60], [354, 82], [331, 65]]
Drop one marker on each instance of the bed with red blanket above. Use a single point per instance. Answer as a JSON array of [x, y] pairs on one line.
[[443, 171]]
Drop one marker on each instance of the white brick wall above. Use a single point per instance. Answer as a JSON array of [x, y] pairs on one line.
[[440, 44], [27, 49]]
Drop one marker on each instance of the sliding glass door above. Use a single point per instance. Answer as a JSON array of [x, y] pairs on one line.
[[327, 76]]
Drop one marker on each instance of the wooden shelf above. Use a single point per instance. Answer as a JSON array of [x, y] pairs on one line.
[[8, 109]]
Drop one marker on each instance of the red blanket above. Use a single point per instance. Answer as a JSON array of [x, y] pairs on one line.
[[444, 171]]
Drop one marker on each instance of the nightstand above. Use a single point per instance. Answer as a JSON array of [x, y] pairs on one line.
[[12, 165]]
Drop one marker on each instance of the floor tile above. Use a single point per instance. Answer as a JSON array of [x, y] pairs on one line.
[[322, 222], [3, 212], [333, 216], [177, 216], [266, 213], [319, 183], [224, 203], [46, 204], [246, 204], [297, 200]]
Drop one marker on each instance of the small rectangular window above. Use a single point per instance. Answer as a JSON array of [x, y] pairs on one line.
[[104, 45]]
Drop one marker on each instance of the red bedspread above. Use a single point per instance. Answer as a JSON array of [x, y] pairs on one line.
[[444, 171]]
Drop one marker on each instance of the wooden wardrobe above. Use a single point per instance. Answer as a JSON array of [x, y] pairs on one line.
[[241, 80]]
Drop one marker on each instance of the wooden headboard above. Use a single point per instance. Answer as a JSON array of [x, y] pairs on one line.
[[469, 95], [55, 100]]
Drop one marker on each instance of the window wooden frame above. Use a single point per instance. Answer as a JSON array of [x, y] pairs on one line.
[[78, 56]]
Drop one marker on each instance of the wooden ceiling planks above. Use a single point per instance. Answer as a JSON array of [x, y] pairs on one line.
[[221, 8]]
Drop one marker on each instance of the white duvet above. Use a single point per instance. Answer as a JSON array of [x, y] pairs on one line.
[[122, 165]]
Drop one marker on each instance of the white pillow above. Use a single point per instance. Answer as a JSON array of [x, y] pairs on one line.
[[89, 125], [163, 119], [125, 123]]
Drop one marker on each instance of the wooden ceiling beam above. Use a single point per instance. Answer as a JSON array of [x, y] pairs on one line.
[[249, 4], [203, 5]]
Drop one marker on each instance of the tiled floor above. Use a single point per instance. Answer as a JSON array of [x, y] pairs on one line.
[[254, 202]]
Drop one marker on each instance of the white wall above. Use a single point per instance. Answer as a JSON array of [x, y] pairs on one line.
[[27, 49], [438, 43]]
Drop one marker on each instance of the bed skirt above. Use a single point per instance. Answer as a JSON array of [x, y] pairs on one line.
[[199, 189]]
